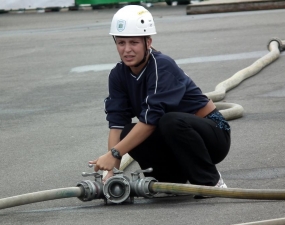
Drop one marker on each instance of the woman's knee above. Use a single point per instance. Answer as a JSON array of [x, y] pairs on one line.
[[166, 120]]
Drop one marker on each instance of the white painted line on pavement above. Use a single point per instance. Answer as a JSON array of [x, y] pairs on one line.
[[216, 58]]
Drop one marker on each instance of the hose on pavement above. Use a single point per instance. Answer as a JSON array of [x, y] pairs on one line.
[[40, 196]]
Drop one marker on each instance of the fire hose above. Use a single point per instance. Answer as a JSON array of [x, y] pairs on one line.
[[120, 188]]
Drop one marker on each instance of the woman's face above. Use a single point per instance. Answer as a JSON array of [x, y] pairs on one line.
[[132, 50]]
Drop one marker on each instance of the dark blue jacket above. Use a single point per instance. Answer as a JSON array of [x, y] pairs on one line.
[[160, 88]]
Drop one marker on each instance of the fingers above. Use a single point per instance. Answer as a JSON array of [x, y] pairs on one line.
[[104, 162], [96, 167], [94, 163], [108, 175]]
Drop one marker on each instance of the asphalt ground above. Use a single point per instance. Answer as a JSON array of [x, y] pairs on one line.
[[53, 81]]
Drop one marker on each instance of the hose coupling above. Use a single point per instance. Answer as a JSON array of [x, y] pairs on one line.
[[117, 189], [140, 187], [91, 189], [281, 44]]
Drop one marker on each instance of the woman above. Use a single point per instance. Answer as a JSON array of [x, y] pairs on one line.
[[180, 134]]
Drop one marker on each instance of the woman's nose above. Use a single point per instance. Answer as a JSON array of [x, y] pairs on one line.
[[128, 47]]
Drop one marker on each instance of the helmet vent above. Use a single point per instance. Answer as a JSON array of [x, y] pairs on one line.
[[142, 21]]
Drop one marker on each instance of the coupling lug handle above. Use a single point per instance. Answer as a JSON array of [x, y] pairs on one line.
[[136, 175], [97, 176], [117, 172], [148, 170]]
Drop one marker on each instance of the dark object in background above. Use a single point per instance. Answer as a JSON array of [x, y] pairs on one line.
[[180, 2]]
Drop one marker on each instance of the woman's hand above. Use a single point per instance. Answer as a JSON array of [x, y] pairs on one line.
[[105, 162], [108, 175]]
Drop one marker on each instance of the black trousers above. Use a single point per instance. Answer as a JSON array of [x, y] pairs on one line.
[[183, 148]]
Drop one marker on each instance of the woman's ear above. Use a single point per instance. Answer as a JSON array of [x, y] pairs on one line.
[[149, 42]]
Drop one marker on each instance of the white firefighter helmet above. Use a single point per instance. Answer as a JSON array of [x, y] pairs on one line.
[[132, 20]]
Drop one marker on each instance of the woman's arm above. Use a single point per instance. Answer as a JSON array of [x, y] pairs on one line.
[[136, 136], [114, 138]]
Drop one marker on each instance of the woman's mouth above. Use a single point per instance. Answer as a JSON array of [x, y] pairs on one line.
[[128, 58]]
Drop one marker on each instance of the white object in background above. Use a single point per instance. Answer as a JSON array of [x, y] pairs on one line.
[[33, 4]]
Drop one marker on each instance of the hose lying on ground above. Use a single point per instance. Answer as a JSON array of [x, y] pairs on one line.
[[154, 187], [260, 194], [230, 111], [40, 196], [237, 78]]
